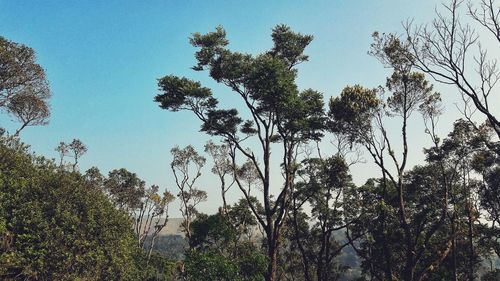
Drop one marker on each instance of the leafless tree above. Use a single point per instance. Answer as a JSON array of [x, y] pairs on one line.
[[451, 51]]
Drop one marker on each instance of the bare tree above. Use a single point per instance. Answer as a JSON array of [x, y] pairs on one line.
[[488, 15], [450, 50]]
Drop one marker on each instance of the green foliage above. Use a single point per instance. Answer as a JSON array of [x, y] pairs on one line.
[[218, 253], [303, 116], [182, 92], [212, 231], [353, 111], [277, 110], [159, 268], [220, 122], [24, 89], [57, 225], [125, 189], [266, 82], [209, 266], [289, 45]]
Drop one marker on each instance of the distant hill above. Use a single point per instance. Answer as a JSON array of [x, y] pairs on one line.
[[173, 227]]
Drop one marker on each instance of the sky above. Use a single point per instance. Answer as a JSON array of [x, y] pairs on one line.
[[103, 59]]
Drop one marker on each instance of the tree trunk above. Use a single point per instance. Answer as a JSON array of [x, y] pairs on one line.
[[272, 263], [454, 247], [471, 243], [409, 272], [151, 246]]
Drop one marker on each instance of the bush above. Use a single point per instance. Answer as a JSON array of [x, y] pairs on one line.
[[55, 225]]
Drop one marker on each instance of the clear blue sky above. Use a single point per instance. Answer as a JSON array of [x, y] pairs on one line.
[[103, 58]]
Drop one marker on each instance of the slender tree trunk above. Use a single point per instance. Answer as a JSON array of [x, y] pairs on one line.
[[300, 246], [409, 272], [18, 131], [471, 243], [320, 263], [75, 164], [271, 237], [470, 222], [151, 246], [385, 248], [454, 247], [223, 194]]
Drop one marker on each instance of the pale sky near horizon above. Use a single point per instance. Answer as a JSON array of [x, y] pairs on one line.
[[103, 59]]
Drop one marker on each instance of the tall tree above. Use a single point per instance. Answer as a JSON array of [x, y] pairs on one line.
[[150, 216], [278, 113], [360, 114], [147, 208], [63, 151]]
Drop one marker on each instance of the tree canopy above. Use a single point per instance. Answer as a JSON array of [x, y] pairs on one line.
[[24, 89]]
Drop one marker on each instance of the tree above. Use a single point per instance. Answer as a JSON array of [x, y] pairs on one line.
[[183, 161], [125, 189], [243, 219], [29, 109], [359, 114], [24, 90], [63, 151], [322, 185], [74, 149], [279, 114], [491, 275], [146, 208], [222, 167], [78, 148], [450, 50], [153, 214], [485, 161]]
